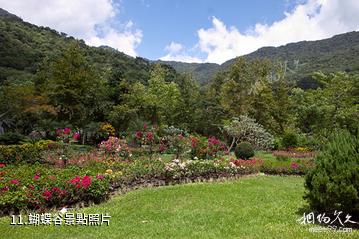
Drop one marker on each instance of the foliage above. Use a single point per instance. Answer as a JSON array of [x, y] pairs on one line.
[[12, 138], [28, 152], [334, 184], [244, 150]]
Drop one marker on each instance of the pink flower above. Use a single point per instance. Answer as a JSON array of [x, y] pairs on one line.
[[15, 181], [100, 177], [67, 130], [144, 126], [47, 195], [294, 166], [2, 165], [37, 176], [76, 136], [86, 181]]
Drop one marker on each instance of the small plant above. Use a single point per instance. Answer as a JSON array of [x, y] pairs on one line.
[[244, 150]]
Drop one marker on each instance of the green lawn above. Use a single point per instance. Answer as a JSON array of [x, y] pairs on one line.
[[253, 207]]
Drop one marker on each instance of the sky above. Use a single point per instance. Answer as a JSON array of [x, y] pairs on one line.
[[191, 30]]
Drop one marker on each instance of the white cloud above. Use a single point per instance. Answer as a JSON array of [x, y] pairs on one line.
[[312, 20], [86, 19], [177, 52]]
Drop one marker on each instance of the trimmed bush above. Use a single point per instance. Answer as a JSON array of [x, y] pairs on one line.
[[244, 150], [334, 183]]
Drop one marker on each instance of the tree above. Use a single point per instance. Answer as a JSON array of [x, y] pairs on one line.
[[74, 88]]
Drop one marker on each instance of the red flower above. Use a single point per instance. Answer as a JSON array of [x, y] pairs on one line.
[[67, 130], [139, 134], [194, 142], [75, 180], [47, 195], [76, 136], [149, 136], [56, 190], [162, 148], [31, 187], [100, 177], [4, 189], [78, 186], [15, 181], [144, 126], [2, 165], [86, 181]]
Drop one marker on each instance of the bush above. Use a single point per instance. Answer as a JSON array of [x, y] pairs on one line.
[[334, 183], [289, 140], [12, 138], [244, 150]]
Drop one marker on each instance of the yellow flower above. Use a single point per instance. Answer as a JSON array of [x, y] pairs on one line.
[[109, 171]]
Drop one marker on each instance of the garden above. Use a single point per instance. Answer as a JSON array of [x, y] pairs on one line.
[[249, 155], [61, 174]]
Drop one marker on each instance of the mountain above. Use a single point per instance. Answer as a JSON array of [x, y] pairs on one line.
[[338, 53], [24, 46]]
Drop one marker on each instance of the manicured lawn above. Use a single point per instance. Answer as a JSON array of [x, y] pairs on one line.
[[252, 207]]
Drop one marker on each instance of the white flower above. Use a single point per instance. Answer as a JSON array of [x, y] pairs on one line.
[[232, 164], [195, 158], [63, 210]]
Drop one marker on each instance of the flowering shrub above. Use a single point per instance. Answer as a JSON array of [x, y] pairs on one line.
[[64, 137], [293, 154], [106, 130], [115, 148], [211, 148], [37, 187]]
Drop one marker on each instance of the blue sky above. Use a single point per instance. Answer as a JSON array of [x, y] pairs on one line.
[[164, 21], [191, 30]]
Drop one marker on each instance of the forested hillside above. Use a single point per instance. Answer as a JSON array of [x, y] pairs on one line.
[[339, 53], [25, 46]]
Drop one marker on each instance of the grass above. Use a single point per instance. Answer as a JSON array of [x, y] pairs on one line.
[[253, 207]]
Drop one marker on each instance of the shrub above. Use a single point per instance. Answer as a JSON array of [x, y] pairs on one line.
[[244, 150], [334, 183], [289, 139], [12, 138]]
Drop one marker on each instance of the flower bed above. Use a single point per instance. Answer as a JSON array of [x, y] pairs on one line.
[[294, 154]]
